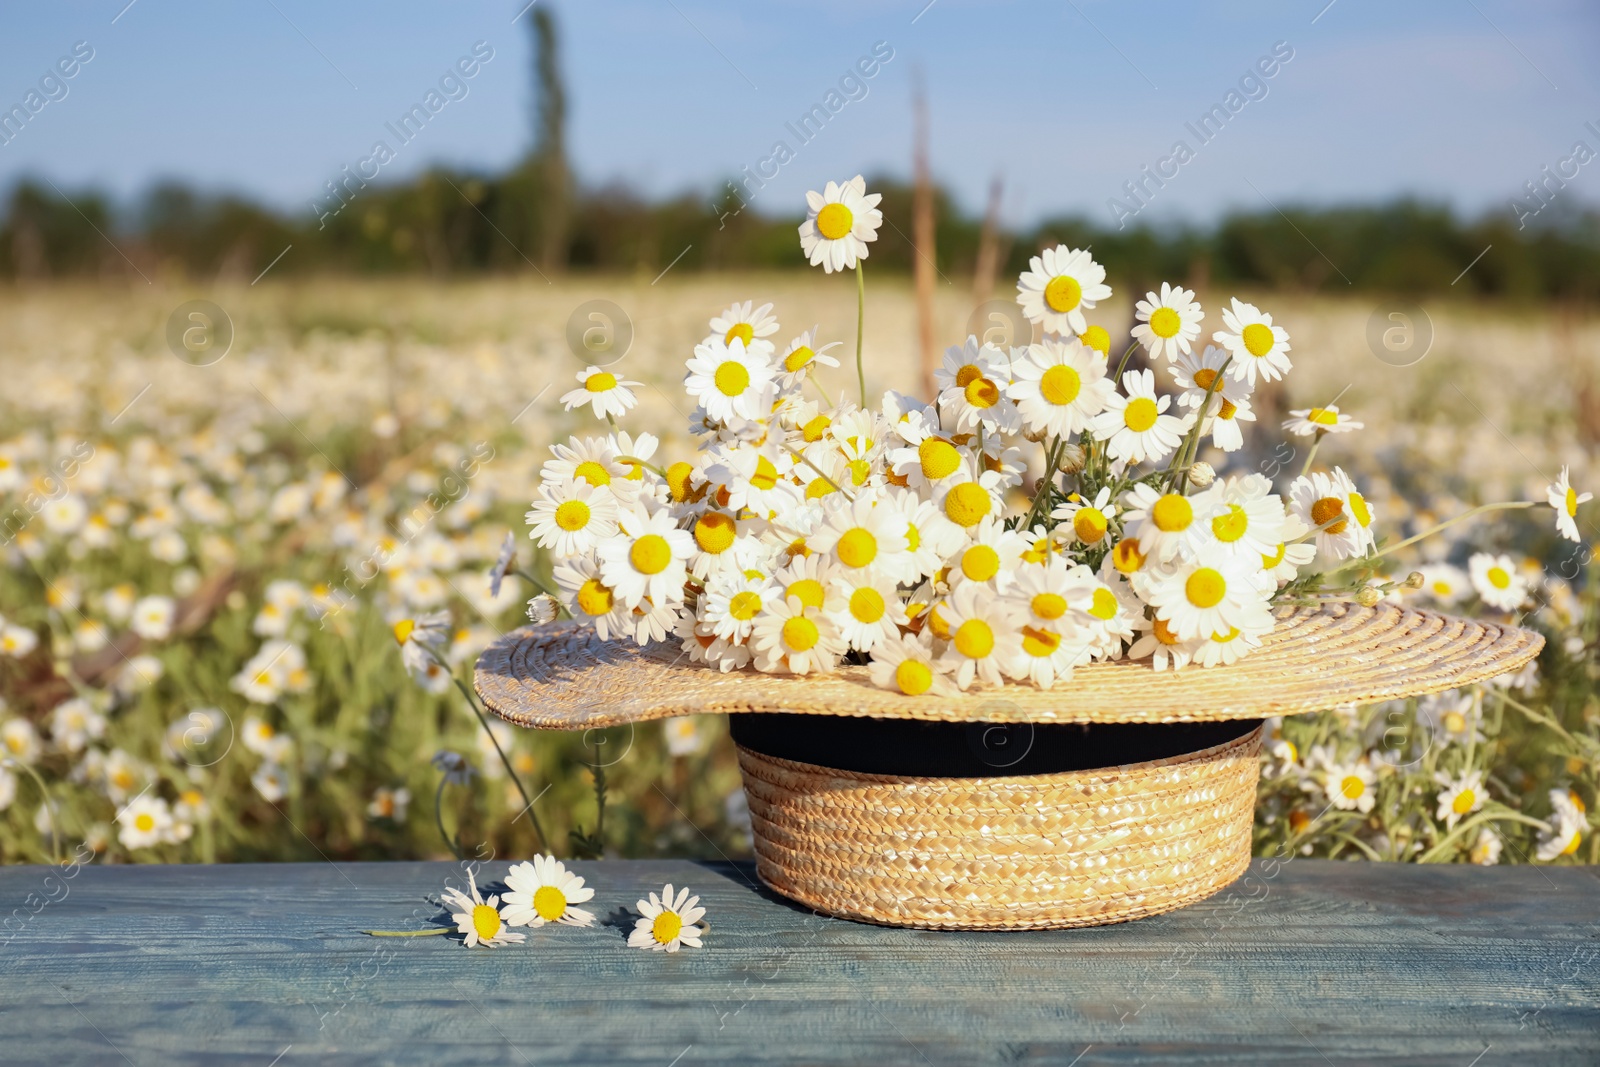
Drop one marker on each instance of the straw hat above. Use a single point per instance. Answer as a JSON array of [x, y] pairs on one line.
[[563, 676]]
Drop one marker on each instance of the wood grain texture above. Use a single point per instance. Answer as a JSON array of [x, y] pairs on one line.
[[1306, 962]]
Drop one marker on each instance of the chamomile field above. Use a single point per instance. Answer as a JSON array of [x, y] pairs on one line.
[[211, 540]]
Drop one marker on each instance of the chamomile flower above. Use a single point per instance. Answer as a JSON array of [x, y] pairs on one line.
[[1059, 285], [145, 821], [1248, 516], [544, 891], [732, 601], [1165, 524], [1059, 386], [971, 495], [572, 517], [729, 380], [991, 554], [1565, 500], [19, 741], [866, 536], [813, 580], [1165, 648], [1497, 581], [153, 617], [646, 557], [609, 395], [985, 634], [480, 920], [589, 459], [668, 922], [906, 663], [793, 637], [1444, 583], [974, 396], [1089, 520], [1460, 796], [17, 641], [1349, 786], [748, 324], [1565, 827], [872, 612], [801, 356], [930, 537], [1052, 642], [1485, 850], [1168, 322], [1330, 504], [1135, 426], [1257, 346], [1305, 422], [1223, 419], [389, 804], [1208, 595], [589, 599], [840, 222], [1283, 562]]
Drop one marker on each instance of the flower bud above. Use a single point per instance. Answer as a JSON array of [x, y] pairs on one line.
[[1036, 436], [1072, 459], [1368, 596], [542, 609], [1201, 475], [1414, 580]]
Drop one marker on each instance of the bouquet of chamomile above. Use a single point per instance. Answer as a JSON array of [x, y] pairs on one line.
[[1043, 511]]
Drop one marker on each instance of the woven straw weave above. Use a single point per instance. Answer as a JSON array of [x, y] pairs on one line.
[[564, 677], [1081, 848]]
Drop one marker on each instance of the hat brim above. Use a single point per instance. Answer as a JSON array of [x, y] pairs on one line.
[[562, 676]]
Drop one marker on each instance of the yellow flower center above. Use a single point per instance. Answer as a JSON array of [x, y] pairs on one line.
[[798, 359], [860, 471], [968, 374], [732, 378], [572, 515], [678, 476], [1048, 605], [714, 532], [1097, 338], [814, 430], [1163, 632], [1063, 293], [668, 925], [1140, 414], [939, 458], [1089, 524], [1126, 557], [1269, 562], [743, 331], [1164, 322], [1358, 508], [1040, 643], [1325, 511], [1040, 551], [594, 598], [600, 382], [1228, 410], [1352, 787], [1231, 524], [980, 563], [809, 590], [913, 537], [1104, 605], [1258, 339], [592, 472], [913, 677], [974, 639], [485, 921], [834, 221], [1204, 377], [650, 554], [744, 605], [1060, 385], [144, 822], [1572, 846], [967, 504], [402, 634], [1464, 801], [857, 547], [1499, 578], [982, 393], [1572, 502], [1172, 513], [866, 605], [1205, 587], [550, 903], [800, 634], [1323, 417], [766, 475]]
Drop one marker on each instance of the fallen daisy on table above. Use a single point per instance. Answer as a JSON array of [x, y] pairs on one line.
[[544, 891], [668, 922], [480, 920]]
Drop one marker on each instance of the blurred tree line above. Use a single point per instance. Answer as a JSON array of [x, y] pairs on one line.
[[449, 222], [536, 217]]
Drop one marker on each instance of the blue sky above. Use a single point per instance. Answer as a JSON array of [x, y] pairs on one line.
[[1458, 100]]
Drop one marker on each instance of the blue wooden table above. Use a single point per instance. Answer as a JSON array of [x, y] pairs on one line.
[[1305, 962]]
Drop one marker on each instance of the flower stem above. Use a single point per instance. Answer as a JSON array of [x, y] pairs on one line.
[[50, 806], [1463, 517], [651, 467], [861, 319], [408, 933], [516, 780], [1315, 444], [836, 486], [1122, 364]]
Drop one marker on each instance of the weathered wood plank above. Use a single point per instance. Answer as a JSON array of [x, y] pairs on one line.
[[1311, 962]]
